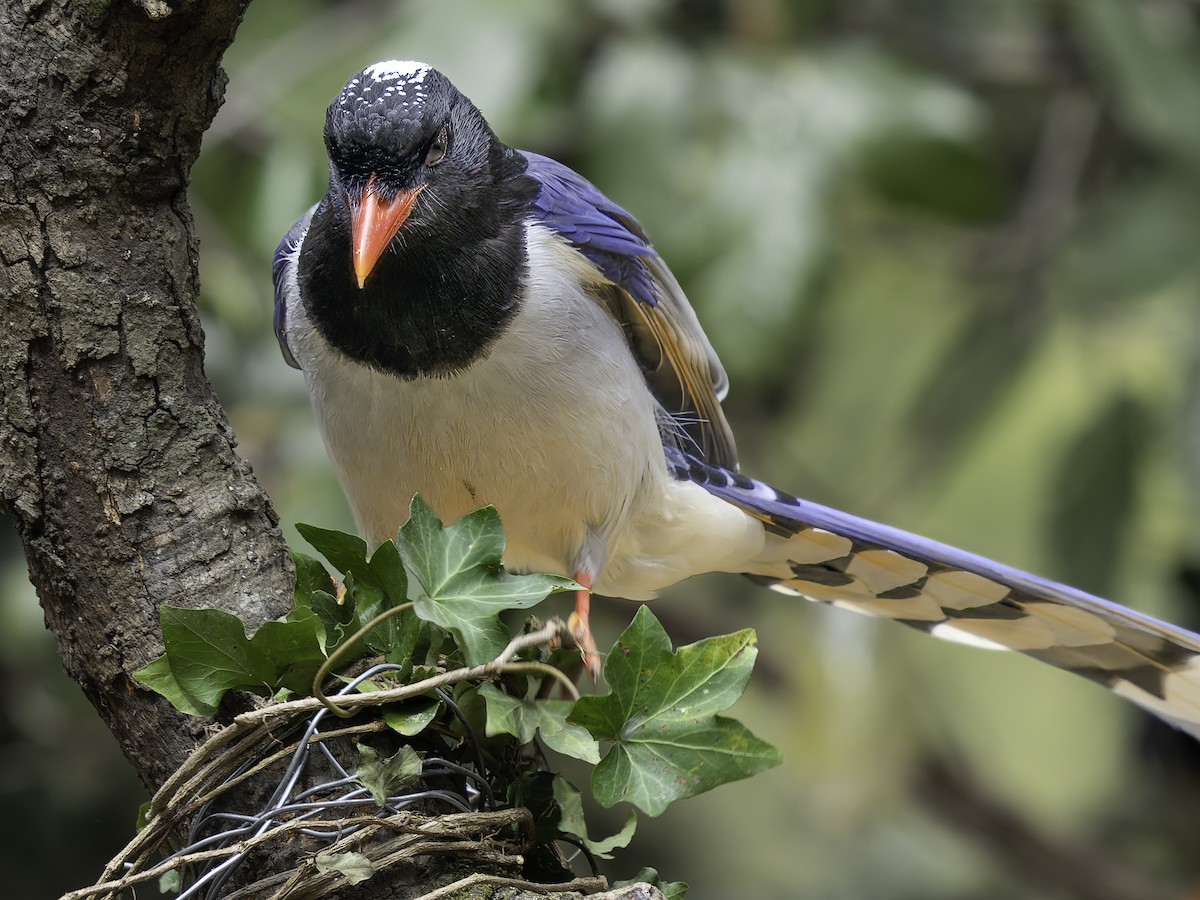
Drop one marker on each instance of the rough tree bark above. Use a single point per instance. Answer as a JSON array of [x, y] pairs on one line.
[[118, 464], [116, 461]]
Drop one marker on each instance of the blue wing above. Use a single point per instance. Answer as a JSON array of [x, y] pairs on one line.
[[873, 568], [681, 367], [283, 275], [601, 230]]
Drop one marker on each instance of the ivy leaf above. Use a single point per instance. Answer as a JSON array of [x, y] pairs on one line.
[[355, 866], [420, 647], [521, 717], [143, 816], [383, 586], [337, 619], [386, 570], [668, 742], [207, 654], [209, 649], [382, 570], [570, 804], [672, 890], [170, 882], [408, 717], [291, 647], [345, 552], [461, 582], [412, 716], [157, 676], [310, 578], [368, 602], [385, 776], [285, 642], [373, 584]]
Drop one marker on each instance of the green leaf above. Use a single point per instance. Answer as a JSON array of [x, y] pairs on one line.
[[400, 635], [337, 619], [368, 602], [286, 642], [411, 717], [208, 654], [461, 582], [419, 647], [310, 577], [672, 890], [571, 740], [521, 717], [169, 882], [387, 571], [355, 866], [570, 804], [668, 742], [383, 777], [345, 552], [157, 676], [371, 586], [209, 651], [143, 816], [292, 648], [657, 765]]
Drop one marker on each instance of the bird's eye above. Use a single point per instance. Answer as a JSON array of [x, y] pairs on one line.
[[440, 146]]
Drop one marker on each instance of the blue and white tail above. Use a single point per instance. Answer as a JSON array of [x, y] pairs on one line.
[[862, 565]]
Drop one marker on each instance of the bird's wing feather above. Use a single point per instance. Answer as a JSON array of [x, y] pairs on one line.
[[860, 564], [635, 285], [282, 274]]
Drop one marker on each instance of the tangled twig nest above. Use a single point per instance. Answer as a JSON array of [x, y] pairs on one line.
[[335, 829]]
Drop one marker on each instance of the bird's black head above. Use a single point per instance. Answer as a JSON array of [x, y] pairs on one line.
[[415, 257], [385, 120]]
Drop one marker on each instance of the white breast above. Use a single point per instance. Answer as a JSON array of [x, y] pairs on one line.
[[554, 426]]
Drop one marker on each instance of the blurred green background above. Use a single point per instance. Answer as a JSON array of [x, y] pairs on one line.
[[950, 254]]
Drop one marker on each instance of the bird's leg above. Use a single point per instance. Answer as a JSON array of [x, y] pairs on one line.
[[580, 628]]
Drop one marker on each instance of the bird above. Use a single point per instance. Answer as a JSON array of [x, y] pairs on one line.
[[481, 325]]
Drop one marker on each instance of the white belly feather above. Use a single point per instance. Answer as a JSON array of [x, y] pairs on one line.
[[555, 427]]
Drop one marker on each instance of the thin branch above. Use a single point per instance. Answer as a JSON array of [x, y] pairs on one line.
[[579, 885]]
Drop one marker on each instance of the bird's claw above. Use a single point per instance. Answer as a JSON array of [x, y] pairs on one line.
[[582, 634]]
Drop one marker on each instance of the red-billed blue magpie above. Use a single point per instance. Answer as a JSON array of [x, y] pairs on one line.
[[481, 325]]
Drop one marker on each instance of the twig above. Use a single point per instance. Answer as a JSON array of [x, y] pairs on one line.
[[581, 885], [539, 668]]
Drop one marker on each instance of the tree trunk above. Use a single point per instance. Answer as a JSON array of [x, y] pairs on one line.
[[118, 463]]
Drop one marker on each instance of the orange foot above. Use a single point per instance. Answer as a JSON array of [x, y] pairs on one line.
[[580, 628]]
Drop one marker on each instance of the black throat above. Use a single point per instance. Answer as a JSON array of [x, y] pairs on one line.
[[438, 298]]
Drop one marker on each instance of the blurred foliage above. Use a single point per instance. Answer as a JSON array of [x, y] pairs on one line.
[[950, 255]]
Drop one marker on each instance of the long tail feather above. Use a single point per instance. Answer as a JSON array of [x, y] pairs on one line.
[[859, 564]]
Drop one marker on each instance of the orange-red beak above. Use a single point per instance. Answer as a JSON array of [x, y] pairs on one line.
[[374, 221]]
